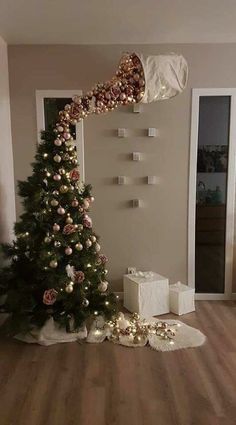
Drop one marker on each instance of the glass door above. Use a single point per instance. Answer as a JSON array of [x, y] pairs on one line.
[[211, 192]]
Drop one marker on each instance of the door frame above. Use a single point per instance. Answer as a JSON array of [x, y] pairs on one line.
[[229, 236], [79, 142]]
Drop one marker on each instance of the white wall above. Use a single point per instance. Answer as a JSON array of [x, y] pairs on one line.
[[7, 192], [153, 237]]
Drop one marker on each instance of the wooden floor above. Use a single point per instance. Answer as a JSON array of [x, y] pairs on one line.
[[105, 384]]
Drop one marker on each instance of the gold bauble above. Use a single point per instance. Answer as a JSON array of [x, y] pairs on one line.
[[64, 189], [53, 264], [54, 202], [57, 158], [69, 288], [69, 220], [137, 339], [79, 247]]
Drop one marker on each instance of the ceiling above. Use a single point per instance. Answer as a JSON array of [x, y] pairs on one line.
[[117, 21]]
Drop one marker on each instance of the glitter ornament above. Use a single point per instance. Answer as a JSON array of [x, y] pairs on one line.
[[64, 189], [66, 157], [57, 244], [85, 302]]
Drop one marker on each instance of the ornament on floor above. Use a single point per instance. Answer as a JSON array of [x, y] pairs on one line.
[[131, 331]]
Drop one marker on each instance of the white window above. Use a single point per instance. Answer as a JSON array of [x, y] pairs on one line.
[[48, 104]]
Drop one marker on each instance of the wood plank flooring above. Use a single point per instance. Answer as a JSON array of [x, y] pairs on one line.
[[105, 384]]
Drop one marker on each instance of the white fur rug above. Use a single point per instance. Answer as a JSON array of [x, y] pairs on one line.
[[185, 336]]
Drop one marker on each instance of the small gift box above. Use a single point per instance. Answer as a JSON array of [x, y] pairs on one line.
[[146, 293], [181, 299]]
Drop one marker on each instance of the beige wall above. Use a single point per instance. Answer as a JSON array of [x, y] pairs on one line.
[[7, 192], [155, 236]]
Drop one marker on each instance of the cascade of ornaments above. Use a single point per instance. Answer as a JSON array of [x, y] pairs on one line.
[[127, 87]]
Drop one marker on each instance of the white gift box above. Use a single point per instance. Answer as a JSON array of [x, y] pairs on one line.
[[181, 299], [146, 293]]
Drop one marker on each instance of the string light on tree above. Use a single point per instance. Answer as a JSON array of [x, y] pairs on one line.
[[61, 199]]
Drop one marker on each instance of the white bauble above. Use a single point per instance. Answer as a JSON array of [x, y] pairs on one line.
[[86, 204], [97, 247], [103, 286]]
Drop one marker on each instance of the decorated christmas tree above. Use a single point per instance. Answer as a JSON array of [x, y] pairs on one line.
[[56, 269]]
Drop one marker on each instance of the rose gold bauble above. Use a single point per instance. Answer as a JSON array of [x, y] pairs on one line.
[[61, 211], [68, 250], [56, 227], [57, 177]]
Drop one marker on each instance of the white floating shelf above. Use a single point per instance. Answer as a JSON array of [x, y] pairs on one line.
[[137, 108], [152, 180], [121, 180], [136, 203], [136, 156], [122, 132], [152, 132]]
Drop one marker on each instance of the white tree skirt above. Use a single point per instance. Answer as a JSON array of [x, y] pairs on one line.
[[51, 333]]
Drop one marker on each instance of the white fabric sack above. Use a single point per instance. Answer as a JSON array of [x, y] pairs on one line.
[[51, 334], [165, 76]]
